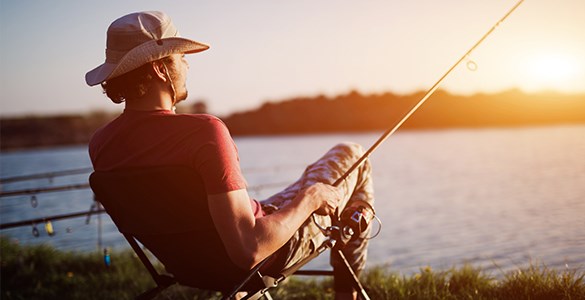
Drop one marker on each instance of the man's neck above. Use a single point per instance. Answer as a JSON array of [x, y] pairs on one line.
[[151, 101]]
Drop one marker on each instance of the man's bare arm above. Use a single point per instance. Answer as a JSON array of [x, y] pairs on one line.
[[249, 240]]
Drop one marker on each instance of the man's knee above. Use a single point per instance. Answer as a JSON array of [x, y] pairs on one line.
[[351, 148], [355, 151]]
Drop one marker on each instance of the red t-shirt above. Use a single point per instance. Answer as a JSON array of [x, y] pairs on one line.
[[163, 138]]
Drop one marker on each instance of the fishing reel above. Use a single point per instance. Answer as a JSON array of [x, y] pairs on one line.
[[353, 223], [356, 217]]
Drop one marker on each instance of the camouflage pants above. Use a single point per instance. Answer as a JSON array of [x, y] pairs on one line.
[[357, 186]]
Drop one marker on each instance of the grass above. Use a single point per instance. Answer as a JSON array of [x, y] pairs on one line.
[[41, 272]]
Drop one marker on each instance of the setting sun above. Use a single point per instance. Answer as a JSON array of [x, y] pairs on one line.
[[550, 70]]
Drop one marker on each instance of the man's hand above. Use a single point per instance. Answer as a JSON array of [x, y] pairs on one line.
[[326, 196]]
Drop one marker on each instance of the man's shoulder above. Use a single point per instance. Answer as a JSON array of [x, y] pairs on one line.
[[203, 119]]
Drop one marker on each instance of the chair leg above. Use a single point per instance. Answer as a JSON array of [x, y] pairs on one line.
[[328, 244], [150, 294], [355, 280], [261, 290], [253, 273], [267, 295], [258, 295]]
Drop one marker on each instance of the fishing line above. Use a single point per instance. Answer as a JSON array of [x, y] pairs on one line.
[[360, 214], [471, 65]]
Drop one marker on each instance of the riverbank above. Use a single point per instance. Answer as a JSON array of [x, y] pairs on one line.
[[42, 272]]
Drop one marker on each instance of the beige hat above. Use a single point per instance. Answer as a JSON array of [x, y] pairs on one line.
[[139, 38]]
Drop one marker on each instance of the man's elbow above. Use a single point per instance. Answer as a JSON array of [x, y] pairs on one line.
[[245, 259]]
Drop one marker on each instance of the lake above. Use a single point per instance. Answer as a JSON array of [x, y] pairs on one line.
[[499, 199]]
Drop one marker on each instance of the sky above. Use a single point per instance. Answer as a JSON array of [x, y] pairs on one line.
[[265, 50]]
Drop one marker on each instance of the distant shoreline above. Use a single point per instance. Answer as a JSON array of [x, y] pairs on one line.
[[347, 113]]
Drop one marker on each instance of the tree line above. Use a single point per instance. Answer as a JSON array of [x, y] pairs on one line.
[[354, 112], [350, 112]]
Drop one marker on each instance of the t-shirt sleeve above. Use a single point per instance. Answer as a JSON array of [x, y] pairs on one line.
[[217, 160]]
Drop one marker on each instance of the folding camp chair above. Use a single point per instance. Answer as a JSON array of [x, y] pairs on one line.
[[138, 202]]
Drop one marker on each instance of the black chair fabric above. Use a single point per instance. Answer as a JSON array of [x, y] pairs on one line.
[[165, 208]]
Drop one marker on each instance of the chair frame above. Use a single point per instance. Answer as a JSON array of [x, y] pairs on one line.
[[335, 235]]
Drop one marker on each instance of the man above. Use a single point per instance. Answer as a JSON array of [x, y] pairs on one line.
[[146, 69]]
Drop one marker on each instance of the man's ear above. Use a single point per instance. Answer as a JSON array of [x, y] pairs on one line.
[[159, 71]]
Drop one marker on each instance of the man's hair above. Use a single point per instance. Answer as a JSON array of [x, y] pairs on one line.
[[133, 84]]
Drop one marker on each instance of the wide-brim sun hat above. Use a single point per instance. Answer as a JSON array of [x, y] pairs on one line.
[[136, 39]]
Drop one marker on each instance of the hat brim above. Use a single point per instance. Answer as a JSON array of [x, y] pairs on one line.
[[144, 53]]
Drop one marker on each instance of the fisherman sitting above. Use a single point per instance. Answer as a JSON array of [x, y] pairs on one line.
[[145, 67]]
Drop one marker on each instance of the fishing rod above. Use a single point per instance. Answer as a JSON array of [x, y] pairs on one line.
[[390, 131], [49, 175], [35, 191], [52, 218], [356, 217]]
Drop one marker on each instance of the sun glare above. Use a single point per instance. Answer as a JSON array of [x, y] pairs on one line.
[[549, 71]]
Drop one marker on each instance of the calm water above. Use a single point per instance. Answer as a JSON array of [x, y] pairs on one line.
[[496, 198]]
